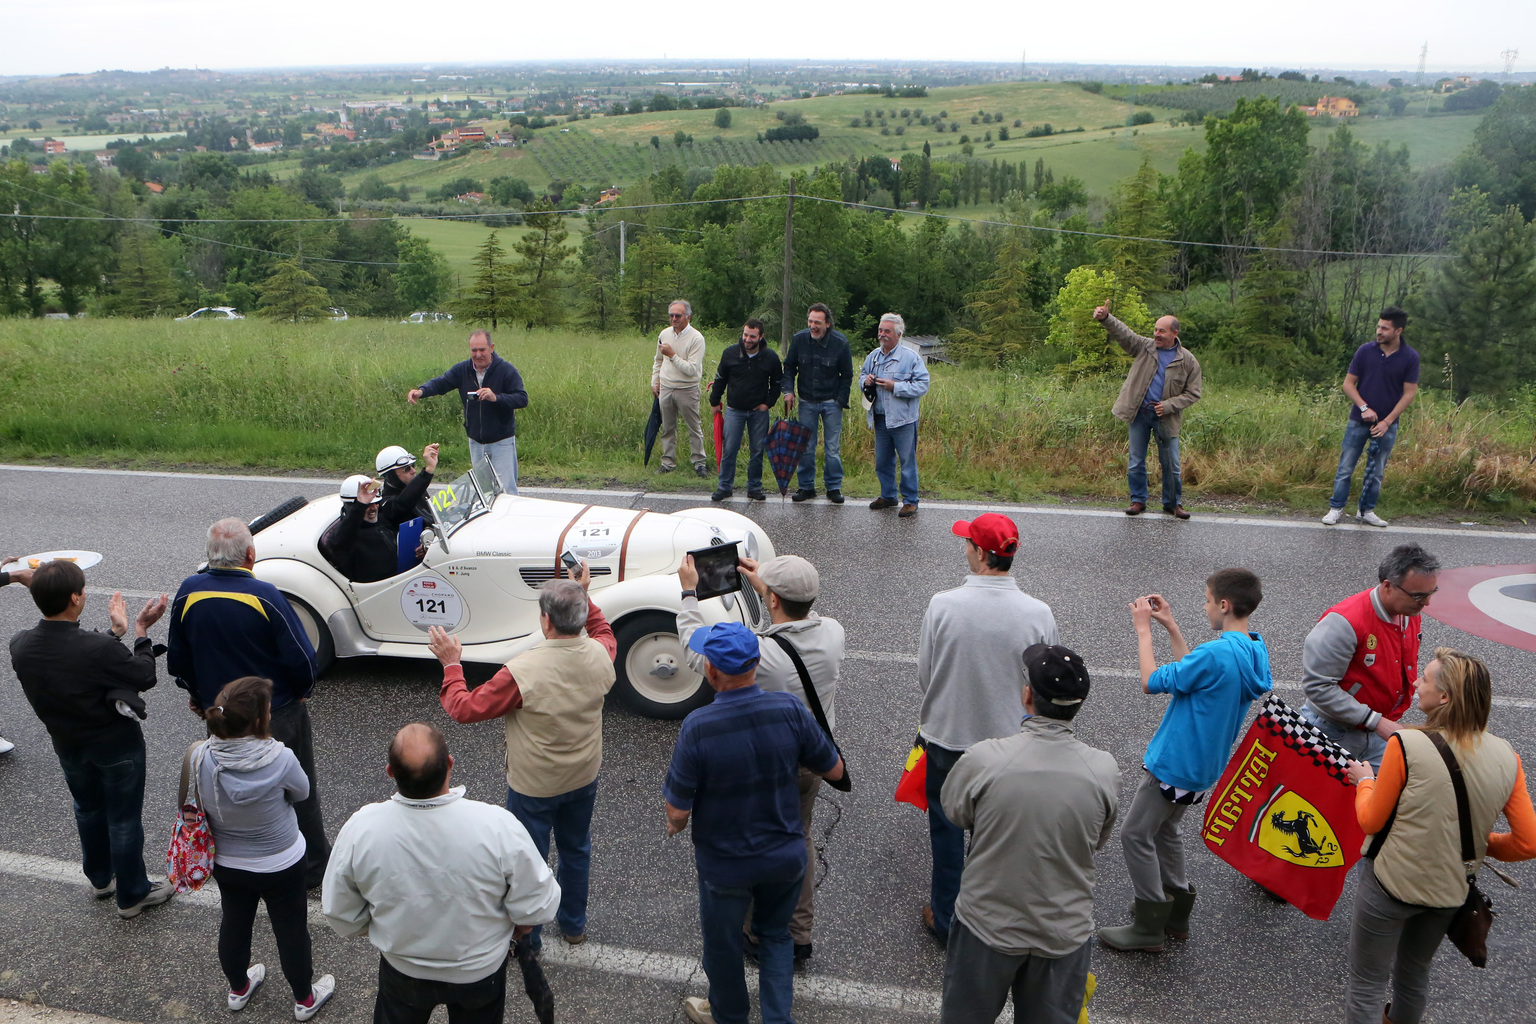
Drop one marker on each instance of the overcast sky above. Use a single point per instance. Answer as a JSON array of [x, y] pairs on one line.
[[57, 36]]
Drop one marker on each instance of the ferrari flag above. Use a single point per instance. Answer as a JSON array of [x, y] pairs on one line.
[[1283, 813]]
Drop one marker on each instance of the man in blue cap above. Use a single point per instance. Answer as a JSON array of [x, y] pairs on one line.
[[735, 773]]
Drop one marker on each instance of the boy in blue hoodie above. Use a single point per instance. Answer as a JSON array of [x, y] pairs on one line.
[[1212, 687]]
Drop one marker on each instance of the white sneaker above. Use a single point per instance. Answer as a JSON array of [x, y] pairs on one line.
[[696, 1009], [6, 746], [160, 892], [1371, 519], [1332, 518], [321, 992], [255, 975]]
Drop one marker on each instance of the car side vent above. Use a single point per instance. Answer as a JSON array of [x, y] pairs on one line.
[[715, 542], [751, 605], [538, 575]]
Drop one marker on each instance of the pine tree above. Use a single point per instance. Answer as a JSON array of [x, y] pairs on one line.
[[493, 295], [144, 283], [291, 293], [1005, 322], [540, 271], [1137, 211]]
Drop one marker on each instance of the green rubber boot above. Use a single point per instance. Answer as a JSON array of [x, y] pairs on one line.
[[1178, 919], [1146, 933]]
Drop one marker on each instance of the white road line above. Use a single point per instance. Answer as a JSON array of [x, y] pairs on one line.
[[1292, 685], [969, 508], [108, 592]]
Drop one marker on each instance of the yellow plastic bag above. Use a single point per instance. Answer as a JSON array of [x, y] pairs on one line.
[[1093, 983]]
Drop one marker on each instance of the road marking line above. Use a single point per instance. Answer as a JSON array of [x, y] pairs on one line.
[[1516, 703], [109, 591], [967, 507]]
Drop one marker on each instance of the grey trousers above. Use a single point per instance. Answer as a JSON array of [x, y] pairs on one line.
[[1153, 845], [977, 980], [681, 404], [1360, 744], [1388, 936]]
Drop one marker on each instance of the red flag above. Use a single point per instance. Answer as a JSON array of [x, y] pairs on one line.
[[1283, 813], [913, 787]]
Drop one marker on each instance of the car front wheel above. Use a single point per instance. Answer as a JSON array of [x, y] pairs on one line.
[[318, 632], [652, 668]]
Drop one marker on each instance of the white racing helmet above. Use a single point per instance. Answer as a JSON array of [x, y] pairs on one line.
[[393, 457], [353, 484]]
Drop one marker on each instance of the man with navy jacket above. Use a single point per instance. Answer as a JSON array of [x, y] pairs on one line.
[[492, 391]]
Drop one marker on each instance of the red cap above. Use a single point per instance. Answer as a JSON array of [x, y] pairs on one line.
[[991, 532]]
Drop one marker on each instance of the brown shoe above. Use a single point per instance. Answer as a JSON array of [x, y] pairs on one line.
[[932, 929], [880, 503], [907, 511], [1136, 508], [1177, 511]]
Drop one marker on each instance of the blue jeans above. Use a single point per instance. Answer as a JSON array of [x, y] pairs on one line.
[[1144, 427], [891, 446], [829, 415], [755, 423], [569, 816], [722, 910], [107, 782], [945, 837], [503, 456], [1357, 435]]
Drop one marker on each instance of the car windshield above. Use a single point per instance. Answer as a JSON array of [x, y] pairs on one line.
[[470, 494]]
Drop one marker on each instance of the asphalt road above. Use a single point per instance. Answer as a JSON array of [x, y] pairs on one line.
[[1249, 959]]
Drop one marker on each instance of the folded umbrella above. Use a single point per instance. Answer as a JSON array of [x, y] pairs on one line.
[[534, 982], [719, 436], [786, 444], [652, 428]]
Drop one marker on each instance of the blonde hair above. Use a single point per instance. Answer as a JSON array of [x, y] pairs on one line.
[[1468, 690]]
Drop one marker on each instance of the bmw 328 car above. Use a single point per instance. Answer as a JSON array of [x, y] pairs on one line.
[[486, 555]]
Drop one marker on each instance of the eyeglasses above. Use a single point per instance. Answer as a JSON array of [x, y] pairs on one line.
[[676, 316], [1417, 597]]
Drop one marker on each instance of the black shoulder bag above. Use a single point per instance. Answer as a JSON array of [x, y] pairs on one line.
[[844, 784], [1468, 930]]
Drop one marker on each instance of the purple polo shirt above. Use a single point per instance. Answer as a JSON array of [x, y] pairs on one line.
[[1382, 376]]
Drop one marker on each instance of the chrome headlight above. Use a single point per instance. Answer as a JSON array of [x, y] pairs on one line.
[[750, 546]]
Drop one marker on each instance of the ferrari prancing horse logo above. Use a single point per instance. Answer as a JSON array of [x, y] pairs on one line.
[[1293, 830]]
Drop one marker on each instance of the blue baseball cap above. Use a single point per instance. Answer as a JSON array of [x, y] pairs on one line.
[[729, 646]]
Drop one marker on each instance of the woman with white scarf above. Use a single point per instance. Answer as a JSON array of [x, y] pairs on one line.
[[247, 784]]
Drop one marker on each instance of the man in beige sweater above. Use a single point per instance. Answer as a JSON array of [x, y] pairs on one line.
[[675, 380], [551, 696]]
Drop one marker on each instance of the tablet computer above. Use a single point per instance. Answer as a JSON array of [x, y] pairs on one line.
[[717, 570]]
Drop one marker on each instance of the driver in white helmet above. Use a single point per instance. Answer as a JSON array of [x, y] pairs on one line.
[[405, 487], [358, 544]]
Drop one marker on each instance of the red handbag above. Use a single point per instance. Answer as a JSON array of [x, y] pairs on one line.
[[189, 861]]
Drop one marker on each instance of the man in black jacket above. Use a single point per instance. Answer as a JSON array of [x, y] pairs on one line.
[[820, 361], [492, 391], [748, 380], [85, 687], [359, 543], [404, 493]]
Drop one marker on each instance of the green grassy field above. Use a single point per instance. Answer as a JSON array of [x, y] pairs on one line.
[[274, 397], [459, 240], [1431, 141], [424, 176]]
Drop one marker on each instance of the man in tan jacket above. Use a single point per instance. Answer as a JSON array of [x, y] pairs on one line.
[[676, 374], [1163, 382], [551, 696]]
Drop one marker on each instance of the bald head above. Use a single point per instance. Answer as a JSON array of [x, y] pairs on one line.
[[419, 761], [1166, 332]]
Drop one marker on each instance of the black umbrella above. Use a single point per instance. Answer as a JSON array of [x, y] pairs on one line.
[[534, 982], [652, 428]]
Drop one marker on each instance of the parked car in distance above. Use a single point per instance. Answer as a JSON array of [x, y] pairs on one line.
[[337, 313], [428, 318], [214, 313]]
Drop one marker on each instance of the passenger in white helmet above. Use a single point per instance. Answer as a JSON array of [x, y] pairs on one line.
[[358, 544], [405, 487]]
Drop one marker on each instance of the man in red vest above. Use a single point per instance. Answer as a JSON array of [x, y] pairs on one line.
[[1360, 664]]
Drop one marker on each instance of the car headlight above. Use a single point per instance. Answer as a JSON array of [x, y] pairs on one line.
[[751, 545]]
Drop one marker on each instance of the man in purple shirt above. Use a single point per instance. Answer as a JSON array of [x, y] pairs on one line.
[[1383, 377]]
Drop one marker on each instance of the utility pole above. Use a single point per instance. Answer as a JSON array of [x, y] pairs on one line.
[[1510, 56], [789, 259], [1423, 57], [622, 228]]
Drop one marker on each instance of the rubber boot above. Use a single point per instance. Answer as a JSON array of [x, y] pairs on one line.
[[1146, 933], [1178, 918]]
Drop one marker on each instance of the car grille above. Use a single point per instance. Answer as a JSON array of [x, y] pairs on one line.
[[751, 606], [538, 575]]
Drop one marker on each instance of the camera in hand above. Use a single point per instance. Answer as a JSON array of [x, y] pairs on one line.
[[870, 390]]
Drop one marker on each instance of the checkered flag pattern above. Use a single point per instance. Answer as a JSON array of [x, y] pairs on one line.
[[1285, 724]]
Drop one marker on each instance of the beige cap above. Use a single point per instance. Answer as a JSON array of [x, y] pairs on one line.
[[791, 577]]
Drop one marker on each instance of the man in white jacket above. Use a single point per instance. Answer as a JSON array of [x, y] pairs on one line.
[[440, 884], [677, 374]]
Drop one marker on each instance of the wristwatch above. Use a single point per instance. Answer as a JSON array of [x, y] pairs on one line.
[[690, 593]]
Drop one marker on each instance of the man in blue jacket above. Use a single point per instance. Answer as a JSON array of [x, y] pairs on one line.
[[491, 390], [225, 624], [820, 366], [895, 379]]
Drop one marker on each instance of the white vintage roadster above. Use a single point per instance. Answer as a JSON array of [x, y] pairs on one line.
[[487, 554]]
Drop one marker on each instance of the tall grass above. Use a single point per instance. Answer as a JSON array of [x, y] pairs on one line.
[[327, 396]]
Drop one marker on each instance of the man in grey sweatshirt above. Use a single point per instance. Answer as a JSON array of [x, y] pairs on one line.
[[970, 664]]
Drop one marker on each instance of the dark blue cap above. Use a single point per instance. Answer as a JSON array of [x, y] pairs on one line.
[[729, 646]]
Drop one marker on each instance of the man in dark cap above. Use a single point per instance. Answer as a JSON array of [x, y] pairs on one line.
[[1038, 804]]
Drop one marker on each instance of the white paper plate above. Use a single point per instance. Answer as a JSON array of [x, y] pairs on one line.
[[84, 559]]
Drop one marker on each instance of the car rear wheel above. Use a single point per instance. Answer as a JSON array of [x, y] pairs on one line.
[[318, 632], [652, 668]]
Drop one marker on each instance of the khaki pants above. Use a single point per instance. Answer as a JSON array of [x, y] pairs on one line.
[[805, 909], [684, 403]]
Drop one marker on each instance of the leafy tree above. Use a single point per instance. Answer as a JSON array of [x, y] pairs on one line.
[[1396, 105], [722, 118], [541, 270], [423, 279], [679, 137], [1502, 158], [506, 191], [492, 297], [637, 106], [1057, 197], [144, 279], [293, 135], [457, 187], [292, 293], [1478, 312], [1074, 329], [1481, 95], [661, 101]]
